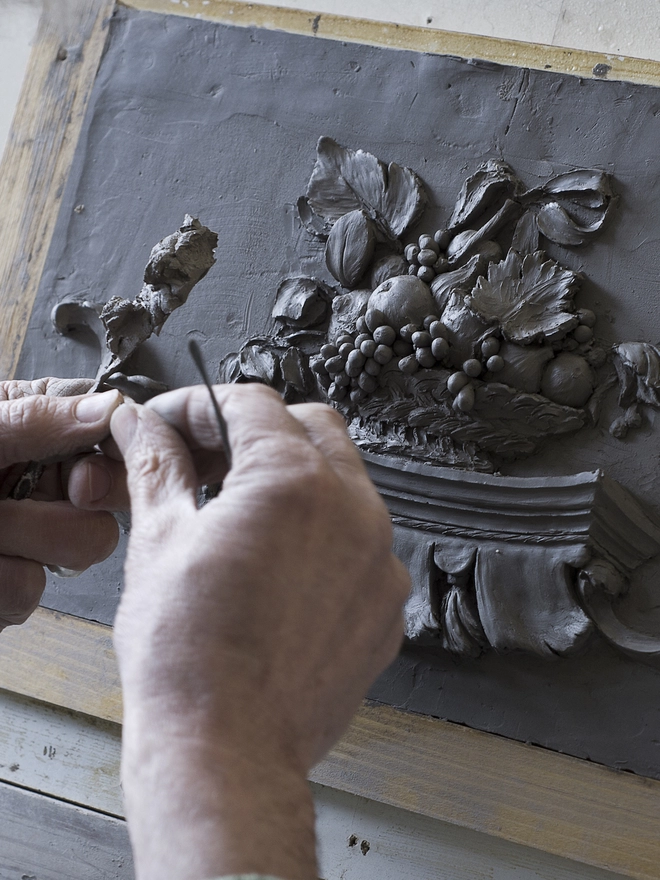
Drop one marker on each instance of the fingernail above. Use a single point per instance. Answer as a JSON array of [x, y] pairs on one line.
[[99, 481], [124, 425], [94, 407]]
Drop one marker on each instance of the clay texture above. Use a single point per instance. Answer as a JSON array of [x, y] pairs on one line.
[[470, 369]]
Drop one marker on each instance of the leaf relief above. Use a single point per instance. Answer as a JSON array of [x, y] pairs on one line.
[[529, 297], [580, 203], [302, 302], [492, 183], [345, 180]]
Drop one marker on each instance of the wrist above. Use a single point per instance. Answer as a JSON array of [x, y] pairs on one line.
[[198, 806]]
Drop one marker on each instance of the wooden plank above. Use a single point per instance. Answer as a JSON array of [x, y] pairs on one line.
[[76, 758], [365, 840], [525, 794], [577, 62], [65, 661], [60, 753], [37, 160], [521, 793], [49, 840]]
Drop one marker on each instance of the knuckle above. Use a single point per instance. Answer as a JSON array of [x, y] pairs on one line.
[[18, 413], [253, 392], [325, 412]]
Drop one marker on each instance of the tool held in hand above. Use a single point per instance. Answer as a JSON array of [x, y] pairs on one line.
[[196, 355]]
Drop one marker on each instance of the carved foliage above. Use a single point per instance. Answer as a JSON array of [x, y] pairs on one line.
[[345, 180], [532, 565], [529, 297], [176, 264]]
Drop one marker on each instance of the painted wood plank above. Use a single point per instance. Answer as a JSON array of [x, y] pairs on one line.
[[61, 753], [44, 839], [524, 794], [37, 160], [397, 36], [76, 758], [364, 840]]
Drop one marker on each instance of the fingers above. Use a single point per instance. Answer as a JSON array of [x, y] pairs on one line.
[[55, 533], [98, 483], [261, 430], [22, 584], [14, 389], [41, 427], [159, 466], [252, 412]]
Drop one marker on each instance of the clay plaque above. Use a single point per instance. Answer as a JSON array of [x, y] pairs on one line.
[[461, 257]]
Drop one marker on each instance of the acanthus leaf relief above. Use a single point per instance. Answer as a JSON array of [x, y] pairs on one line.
[[448, 356]]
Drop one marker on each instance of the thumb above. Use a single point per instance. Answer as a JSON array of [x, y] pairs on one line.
[[159, 465], [41, 427]]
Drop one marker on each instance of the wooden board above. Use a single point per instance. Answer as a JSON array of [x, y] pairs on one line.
[[524, 794], [76, 758], [60, 753], [37, 160], [49, 840]]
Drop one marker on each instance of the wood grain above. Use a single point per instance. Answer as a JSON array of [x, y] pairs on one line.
[[49, 840], [37, 160], [395, 36], [521, 793], [76, 758], [65, 661], [60, 753]]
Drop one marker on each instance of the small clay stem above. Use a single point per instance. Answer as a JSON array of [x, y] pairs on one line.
[[196, 355]]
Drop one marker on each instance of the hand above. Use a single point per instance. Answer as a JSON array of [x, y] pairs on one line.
[[249, 630], [37, 424]]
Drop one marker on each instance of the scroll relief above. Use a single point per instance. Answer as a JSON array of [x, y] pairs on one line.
[[449, 355]]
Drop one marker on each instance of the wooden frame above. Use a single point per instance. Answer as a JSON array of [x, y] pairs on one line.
[[521, 793]]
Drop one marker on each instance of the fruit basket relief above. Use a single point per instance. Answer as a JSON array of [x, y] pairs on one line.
[[463, 347]]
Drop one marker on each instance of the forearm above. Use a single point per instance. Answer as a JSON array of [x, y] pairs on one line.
[[197, 809]]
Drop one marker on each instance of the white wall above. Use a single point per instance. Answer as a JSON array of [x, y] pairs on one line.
[[18, 22]]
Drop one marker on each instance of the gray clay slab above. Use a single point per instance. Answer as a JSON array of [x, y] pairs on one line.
[[222, 122]]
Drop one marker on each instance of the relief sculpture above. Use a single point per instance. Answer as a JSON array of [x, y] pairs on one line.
[[450, 355]]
